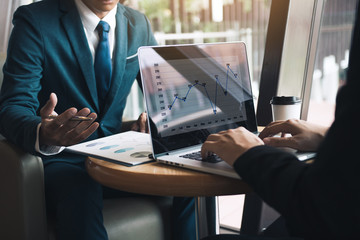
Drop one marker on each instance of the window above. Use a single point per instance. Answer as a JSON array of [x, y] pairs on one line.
[[205, 21], [331, 59]]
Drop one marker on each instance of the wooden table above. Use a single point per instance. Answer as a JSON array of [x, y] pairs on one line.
[[162, 180], [165, 180]]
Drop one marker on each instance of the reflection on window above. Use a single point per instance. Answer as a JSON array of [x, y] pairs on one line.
[[332, 58]]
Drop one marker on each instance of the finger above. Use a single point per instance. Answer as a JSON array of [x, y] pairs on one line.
[[280, 142], [273, 129], [213, 137], [82, 136], [142, 122], [83, 125], [134, 127], [79, 132], [49, 107], [83, 112], [61, 119], [275, 122], [207, 148]]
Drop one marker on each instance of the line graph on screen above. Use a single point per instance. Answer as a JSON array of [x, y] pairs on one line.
[[213, 102]]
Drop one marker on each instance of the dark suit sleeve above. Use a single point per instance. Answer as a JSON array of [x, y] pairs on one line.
[[271, 172], [318, 200], [22, 74]]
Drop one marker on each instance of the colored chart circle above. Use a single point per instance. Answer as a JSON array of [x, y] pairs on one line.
[[108, 147], [140, 154], [123, 150]]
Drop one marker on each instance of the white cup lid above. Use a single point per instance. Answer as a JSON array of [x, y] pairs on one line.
[[285, 100]]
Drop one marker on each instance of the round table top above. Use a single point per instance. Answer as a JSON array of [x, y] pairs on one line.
[[163, 180]]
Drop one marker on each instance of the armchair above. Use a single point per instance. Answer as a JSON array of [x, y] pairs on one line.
[[23, 213], [22, 202]]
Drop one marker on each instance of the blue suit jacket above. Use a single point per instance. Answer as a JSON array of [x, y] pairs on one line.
[[48, 52]]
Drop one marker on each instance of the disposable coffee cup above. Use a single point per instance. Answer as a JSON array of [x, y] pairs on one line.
[[285, 107]]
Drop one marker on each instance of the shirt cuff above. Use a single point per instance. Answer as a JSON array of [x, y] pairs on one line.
[[44, 149]]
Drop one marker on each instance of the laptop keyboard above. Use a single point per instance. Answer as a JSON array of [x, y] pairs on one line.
[[197, 156]]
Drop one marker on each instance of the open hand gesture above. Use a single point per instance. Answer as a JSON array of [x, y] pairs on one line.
[[62, 131]]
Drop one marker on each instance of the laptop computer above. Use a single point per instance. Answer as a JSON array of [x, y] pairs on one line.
[[192, 91]]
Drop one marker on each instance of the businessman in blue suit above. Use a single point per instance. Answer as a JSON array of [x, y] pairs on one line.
[[54, 67]]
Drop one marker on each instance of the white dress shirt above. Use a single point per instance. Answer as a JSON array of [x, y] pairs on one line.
[[90, 22]]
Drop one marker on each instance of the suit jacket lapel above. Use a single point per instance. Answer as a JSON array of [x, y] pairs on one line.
[[72, 24], [120, 54]]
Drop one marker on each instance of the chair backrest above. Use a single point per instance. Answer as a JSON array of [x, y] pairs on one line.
[[2, 61]]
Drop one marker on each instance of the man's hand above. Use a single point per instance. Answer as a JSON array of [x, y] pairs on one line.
[[141, 125], [230, 144], [62, 131], [305, 136]]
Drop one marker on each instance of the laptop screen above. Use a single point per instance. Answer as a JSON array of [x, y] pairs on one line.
[[192, 91]]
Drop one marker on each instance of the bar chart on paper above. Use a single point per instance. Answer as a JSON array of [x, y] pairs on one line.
[[127, 148]]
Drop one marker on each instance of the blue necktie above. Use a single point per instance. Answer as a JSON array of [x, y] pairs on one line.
[[102, 62]]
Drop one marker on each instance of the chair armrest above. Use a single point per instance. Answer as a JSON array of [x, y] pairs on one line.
[[22, 198]]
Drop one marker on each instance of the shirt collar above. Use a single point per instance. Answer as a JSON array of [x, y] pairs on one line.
[[90, 20]]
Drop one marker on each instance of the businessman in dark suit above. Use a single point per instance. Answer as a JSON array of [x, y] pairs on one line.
[[318, 200], [55, 67]]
